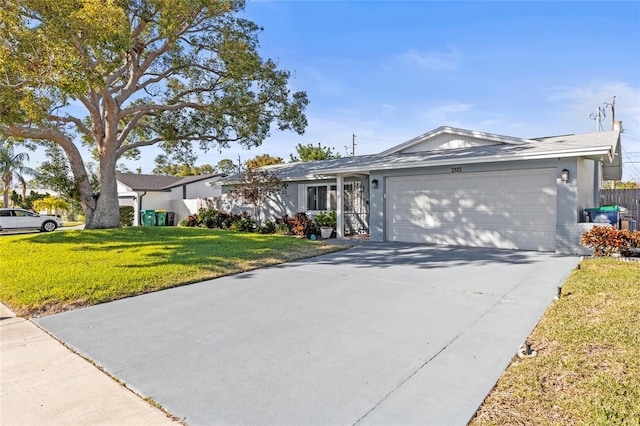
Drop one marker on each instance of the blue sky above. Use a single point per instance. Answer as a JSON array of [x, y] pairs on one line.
[[390, 71]]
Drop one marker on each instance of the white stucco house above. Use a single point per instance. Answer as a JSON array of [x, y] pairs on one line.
[[181, 195], [459, 187]]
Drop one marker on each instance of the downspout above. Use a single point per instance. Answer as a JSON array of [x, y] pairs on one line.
[[138, 213]]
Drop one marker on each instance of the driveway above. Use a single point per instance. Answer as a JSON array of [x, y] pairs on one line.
[[379, 334]]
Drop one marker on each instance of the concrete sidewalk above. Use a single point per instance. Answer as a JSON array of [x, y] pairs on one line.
[[44, 383]]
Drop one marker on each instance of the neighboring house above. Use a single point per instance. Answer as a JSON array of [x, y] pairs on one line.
[[181, 195], [459, 187]]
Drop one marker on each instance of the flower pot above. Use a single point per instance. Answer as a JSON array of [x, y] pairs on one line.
[[326, 231]]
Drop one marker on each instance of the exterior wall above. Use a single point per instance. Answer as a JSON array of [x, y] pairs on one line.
[[183, 208], [289, 203], [156, 201], [122, 187], [588, 184], [198, 190]]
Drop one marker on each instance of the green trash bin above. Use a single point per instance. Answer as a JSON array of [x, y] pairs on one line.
[[161, 218], [605, 214], [148, 217]]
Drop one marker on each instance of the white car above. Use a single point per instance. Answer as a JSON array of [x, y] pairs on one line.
[[11, 219]]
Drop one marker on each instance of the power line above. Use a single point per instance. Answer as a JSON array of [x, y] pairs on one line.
[[633, 163]]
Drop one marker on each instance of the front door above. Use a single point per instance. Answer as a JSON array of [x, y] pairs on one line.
[[356, 208]]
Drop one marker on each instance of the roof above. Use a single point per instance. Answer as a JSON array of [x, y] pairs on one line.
[[140, 182], [599, 146]]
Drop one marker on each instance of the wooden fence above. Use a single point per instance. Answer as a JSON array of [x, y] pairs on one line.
[[629, 198]]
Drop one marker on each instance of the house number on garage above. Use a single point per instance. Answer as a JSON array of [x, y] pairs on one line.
[[456, 170]]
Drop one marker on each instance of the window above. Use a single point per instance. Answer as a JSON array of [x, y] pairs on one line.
[[317, 197], [321, 197]]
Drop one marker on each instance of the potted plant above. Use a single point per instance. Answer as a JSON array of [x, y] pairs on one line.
[[327, 223]]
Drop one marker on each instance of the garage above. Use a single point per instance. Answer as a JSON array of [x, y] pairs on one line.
[[514, 209]]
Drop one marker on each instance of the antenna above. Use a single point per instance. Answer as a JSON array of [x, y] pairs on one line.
[[598, 116]]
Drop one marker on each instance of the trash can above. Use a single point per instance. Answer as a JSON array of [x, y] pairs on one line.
[[161, 218], [605, 214], [148, 217], [171, 218]]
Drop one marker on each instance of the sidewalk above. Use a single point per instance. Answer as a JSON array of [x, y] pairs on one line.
[[44, 383]]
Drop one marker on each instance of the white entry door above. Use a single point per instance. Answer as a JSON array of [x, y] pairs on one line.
[[506, 209]]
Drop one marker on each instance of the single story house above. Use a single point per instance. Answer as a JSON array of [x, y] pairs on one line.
[[458, 187], [181, 195]]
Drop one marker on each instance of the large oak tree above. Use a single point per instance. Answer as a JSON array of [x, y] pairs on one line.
[[119, 75]]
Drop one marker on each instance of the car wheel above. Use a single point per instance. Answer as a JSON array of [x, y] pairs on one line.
[[49, 226]]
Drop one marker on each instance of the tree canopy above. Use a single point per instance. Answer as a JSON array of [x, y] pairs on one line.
[[262, 160], [313, 153], [120, 75], [165, 167]]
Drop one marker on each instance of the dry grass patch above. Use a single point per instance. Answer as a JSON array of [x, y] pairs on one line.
[[587, 371]]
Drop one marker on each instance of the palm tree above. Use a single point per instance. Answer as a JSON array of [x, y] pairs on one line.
[[12, 165]]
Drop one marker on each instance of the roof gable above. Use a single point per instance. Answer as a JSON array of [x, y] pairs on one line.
[[140, 182], [446, 138]]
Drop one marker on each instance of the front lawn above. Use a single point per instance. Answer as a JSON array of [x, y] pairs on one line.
[[42, 274], [587, 370]]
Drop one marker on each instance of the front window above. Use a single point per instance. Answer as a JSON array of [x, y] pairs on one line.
[[317, 197], [321, 197]]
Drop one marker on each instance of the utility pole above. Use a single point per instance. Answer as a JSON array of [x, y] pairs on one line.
[[613, 113], [353, 145]]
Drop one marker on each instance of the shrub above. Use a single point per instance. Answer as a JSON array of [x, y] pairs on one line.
[[268, 228], [245, 224], [301, 225], [126, 215], [192, 220], [212, 218], [282, 229], [606, 240], [326, 219], [184, 222]]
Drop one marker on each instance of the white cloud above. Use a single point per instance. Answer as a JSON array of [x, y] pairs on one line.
[[446, 113], [432, 61], [576, 104]]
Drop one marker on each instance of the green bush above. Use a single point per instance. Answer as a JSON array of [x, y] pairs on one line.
[[282, 229], [326, 219], [606, 240], [267, 228], [126, 215], [184, 222], [212, 218], [243, 225]]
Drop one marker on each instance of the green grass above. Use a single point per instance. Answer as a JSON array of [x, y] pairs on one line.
[[587, 370], [70, 224], [47, 273]]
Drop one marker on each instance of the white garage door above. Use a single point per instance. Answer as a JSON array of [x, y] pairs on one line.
[[508, 209]]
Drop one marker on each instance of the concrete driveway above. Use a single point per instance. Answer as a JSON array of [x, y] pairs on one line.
[[378, 334]]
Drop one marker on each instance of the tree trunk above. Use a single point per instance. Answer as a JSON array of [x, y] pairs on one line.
[[106, 213], [6, 181]]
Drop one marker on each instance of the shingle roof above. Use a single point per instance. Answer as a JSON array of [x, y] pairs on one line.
[[140, 182], [593, 145]]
